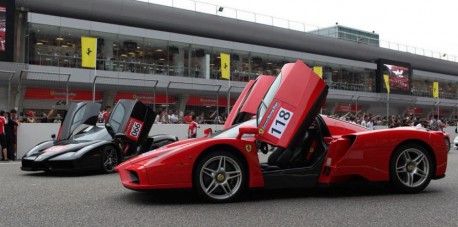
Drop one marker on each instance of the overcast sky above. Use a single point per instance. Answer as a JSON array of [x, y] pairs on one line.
[[424, 24]]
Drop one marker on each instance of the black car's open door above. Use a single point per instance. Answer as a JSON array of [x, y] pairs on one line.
[[78, 114], [247, 104], [131, 118]]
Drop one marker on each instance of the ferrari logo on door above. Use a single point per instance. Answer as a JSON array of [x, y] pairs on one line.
[[248, 147]]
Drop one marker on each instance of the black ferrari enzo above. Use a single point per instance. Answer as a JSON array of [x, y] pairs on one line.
[[82, 145]]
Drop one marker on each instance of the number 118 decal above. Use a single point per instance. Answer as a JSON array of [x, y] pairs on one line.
[[280, 122]]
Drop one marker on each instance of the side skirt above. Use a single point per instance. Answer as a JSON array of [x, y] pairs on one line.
[[291, 178]]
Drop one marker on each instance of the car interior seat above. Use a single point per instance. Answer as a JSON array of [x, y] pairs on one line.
[[294, 157]]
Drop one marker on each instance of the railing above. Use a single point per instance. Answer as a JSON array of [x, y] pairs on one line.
[[6, 77], [349, 86], [140, 67], [168, 70], [289, 24], [429, 94]]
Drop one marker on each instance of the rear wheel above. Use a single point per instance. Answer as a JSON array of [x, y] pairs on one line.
[[220, 177], [110, 159], [411, 168]]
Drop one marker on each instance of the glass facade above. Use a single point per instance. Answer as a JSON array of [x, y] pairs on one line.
[[423, 87], [61, 47], [349, 34]]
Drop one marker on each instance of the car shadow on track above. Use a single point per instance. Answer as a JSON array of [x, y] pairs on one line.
[[258, 195], [65, 174], [163, 197]]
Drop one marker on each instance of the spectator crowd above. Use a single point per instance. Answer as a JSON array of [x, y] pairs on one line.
[[172, 117], [9, 121], [393, 121], [8, 134]]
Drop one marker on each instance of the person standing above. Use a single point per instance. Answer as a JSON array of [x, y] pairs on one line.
[[200, 119], [192, 130], [57, 119], [436, 124], [364, 120], [45, 118], [15, 121], [370, 123], [164, 117], [106, 114], [9, 135], [187, 118], [30, 117], [174, 117], [3, 136]]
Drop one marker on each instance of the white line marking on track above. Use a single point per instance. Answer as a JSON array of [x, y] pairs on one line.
[[9, 163]]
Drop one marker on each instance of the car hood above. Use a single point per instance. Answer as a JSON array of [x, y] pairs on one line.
[[48, 149], [179, 146]]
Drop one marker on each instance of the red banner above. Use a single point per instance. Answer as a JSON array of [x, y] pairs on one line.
[[346, 108], [441, 112], [208, 101], [60, 94], [415, 110], [145, 98]]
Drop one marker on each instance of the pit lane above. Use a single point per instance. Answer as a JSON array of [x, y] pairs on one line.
[[38, 199]]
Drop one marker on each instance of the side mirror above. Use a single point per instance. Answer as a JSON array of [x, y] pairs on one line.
[[328, 140], [109, 128], [120, 136], [248, 129]]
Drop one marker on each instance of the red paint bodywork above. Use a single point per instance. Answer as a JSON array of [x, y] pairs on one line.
[[352, 151]]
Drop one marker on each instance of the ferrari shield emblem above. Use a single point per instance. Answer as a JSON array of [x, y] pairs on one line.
[[261, 131], [248, 147]]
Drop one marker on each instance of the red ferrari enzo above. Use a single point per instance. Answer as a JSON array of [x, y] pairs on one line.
[[308, 149]]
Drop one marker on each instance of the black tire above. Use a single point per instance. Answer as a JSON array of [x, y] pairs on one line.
[[220, 176], [110, 159], [411, 168]]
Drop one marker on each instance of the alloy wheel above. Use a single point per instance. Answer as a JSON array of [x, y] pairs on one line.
[[412, 167], [220, 177]]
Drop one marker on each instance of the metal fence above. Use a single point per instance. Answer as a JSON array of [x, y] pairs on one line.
[[56, 82], [203, 101], [124, 88], [6, 78]]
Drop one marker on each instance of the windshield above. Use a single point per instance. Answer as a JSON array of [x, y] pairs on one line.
[[77, 119], [233, 131], [93, 133], [265, 103], [117, 117]]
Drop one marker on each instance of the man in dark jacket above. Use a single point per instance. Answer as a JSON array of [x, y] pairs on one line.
[[10, 136], [3, 144]]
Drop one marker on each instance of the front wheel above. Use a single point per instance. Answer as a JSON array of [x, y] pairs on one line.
[[110, 159], [220, 177], [411, 168]]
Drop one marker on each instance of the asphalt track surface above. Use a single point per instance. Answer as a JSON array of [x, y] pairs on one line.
[[38, 199]]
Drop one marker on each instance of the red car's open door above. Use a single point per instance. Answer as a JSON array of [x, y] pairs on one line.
[[290, 105], [247, 104]]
